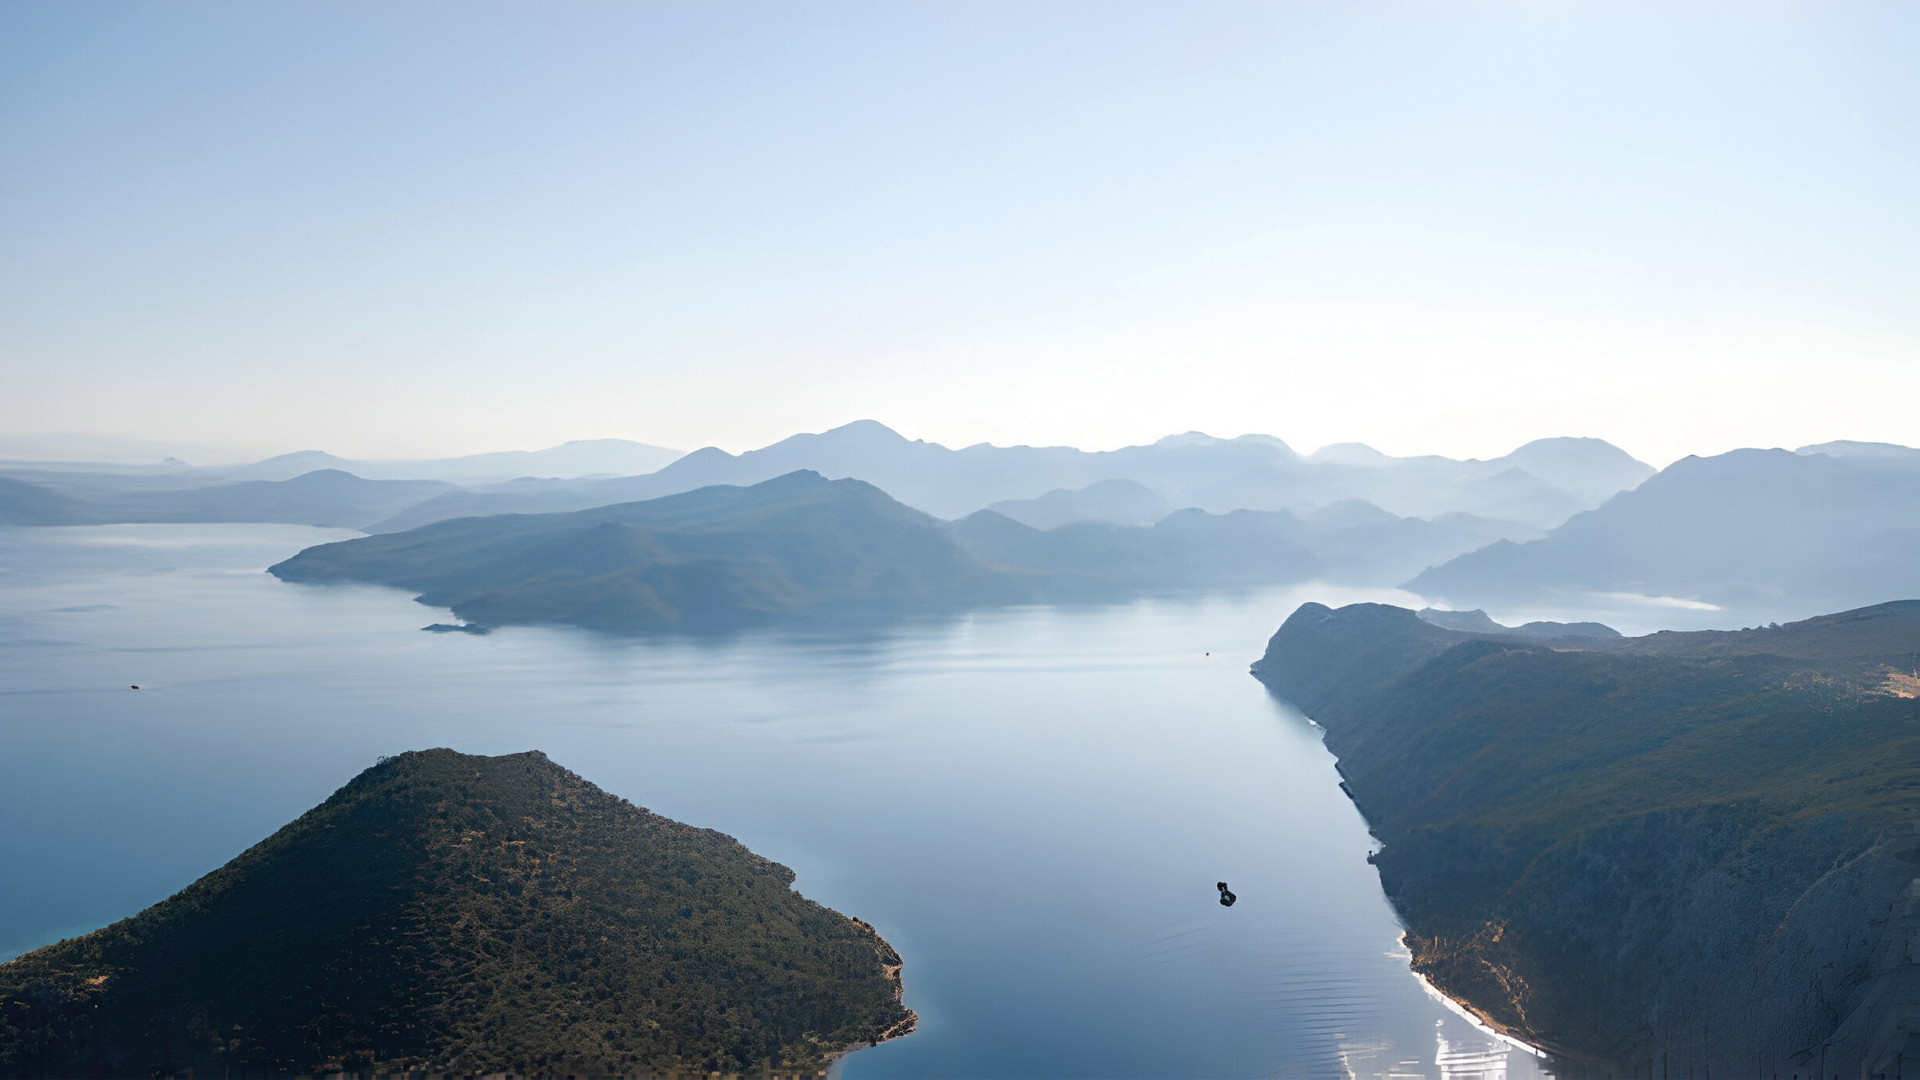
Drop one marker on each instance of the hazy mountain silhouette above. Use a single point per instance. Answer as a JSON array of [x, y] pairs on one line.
[[526, 496], [802, 546], [713, 558], [1358, 543], [1539, 484], [1346, 505], [1256, 472], [1686, 852], [1756, 530], [1349, 542], [286, 466], [1847, 448], [106, 451], [1108, 502], [1191, 548], [322, 497], [23, 503], [581, 457], [462, 915], [1591, 469]]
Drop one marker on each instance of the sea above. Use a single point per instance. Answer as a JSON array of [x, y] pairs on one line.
[[1033, 805]]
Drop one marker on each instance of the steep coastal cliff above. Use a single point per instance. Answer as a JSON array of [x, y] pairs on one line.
[[1682, 854]]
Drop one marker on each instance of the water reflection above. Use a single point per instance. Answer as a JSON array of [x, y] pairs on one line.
[[1483, 1058]]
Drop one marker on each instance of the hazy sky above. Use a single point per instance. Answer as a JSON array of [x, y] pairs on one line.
[[415, 229]]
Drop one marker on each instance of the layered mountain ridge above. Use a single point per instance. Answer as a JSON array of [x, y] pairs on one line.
[[800, 546], [1539, 484], [1523, 493], [1751, 530]]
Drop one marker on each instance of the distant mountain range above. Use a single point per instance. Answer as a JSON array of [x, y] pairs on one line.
[[803, 547], [1186, 549], [461, 915], [1104, 502], [325, 497], [1527, 491], [1762, 531], [1348, 542], [24, 503], [1539, 485], [1318, 508], [1772, 533], [582, 457], [1684, 854]]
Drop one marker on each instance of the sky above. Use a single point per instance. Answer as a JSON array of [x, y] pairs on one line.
[[423, 229]]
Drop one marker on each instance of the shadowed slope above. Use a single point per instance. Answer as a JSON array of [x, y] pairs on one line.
[[1692, 848], [473, 914]]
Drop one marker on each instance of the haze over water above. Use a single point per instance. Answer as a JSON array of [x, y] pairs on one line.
[[1031, 805]]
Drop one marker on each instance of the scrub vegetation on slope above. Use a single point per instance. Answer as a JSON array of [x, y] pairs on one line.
[[1690, 848], [470, 914]]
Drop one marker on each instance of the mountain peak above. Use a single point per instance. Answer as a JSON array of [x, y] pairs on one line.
[[866, 430], [1273, 441], [1349, 453], [1185, 438], [304, 459], [1848, 448]]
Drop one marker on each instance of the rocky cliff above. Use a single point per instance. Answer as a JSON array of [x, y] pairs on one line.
[[1682, 854]]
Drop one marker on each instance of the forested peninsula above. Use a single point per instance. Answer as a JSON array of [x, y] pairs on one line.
[[450, 913], [1683, 854], [797, 548]]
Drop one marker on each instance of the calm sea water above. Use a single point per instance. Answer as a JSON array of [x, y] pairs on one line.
[[1033, 806]]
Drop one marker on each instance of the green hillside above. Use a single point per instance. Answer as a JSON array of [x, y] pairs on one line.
[[448, 912], [1689, 848]]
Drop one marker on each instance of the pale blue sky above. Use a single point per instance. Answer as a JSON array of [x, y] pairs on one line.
[[415, 229]]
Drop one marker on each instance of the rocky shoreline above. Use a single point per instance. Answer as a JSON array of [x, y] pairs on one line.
[[1671, 854], [902, 1028]]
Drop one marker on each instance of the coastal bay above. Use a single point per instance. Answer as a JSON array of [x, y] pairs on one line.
[[1031, 805]]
